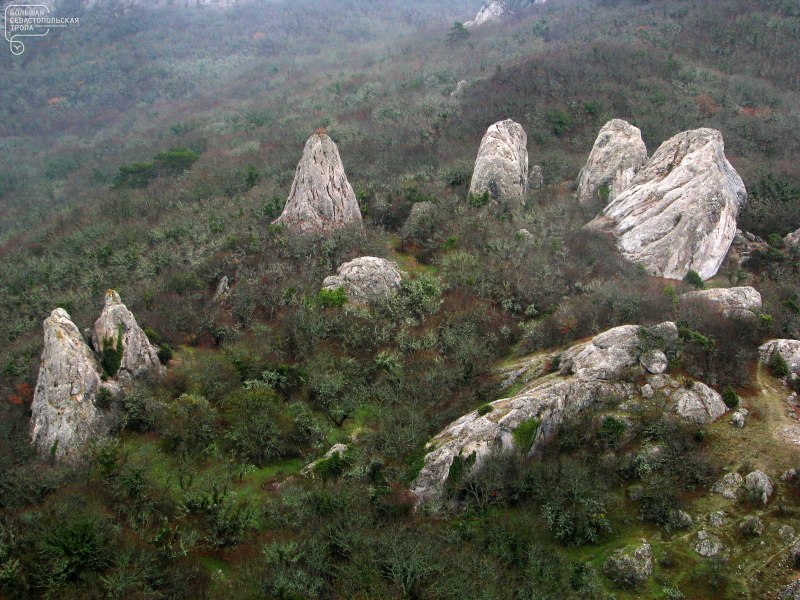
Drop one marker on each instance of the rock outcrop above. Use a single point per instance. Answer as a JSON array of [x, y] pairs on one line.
[[366, 280], [501, 169], [739, 302], [116, 323], [588, 373], [492, 12], [76, 398], [495, 11], [707, 544], [679, 212], [64, 415], [729, 486], [789, 350], [793, 239], [321, 198], [758, 486], [617, 156], [630, 568]]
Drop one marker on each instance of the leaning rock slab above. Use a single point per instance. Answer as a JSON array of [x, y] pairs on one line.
[[789, 350], [366, 280], [501, 169], [738, 302], [618, 154], [321, 198], [139, 357], [679, 213], [64, 416]]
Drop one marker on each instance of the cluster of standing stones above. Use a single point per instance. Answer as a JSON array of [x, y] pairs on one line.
[[673, 212]]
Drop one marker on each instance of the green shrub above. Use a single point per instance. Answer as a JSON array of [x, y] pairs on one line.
[[611, 432], [484, 410], [693, 278], [730, 398], [560, 121], [775, 240], [604, 192], [190, 424], [478, 200], [103, 399], [574, 504], [332, 467], [332, 298], [165, 353], [777, 365], [111, 357]]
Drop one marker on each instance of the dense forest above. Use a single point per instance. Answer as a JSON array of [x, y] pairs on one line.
[[150, 150]]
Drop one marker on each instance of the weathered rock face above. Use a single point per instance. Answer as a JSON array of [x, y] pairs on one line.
[[758, 486], [589, 372], [321, 198], [789, 350], [699, 403], [501, 169], [630, 569], [139, 357], [366, 279], [72, 404], [616, 158], [729, 486], [64, 416], [739, 302], [707, 544], [679, 213], [793, 239]]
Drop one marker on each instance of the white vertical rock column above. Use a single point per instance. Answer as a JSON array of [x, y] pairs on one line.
[[501, 169], [617, 156], [321, 198]]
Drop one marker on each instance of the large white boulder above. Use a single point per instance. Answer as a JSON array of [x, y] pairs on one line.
[[367, 279], [679, 213], [618, 154], [501, 169], [738, 302], [321, 198]]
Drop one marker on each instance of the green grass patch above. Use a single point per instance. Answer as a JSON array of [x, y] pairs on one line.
[[524, 434]]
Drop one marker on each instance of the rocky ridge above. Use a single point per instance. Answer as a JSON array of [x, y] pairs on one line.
[[588, 373]]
